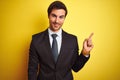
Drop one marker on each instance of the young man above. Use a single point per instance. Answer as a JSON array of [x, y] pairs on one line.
[[53, 52]]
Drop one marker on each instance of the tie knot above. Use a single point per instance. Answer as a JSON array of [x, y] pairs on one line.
[[54, 36]]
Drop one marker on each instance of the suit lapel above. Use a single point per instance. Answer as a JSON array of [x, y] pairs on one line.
[[63, 44], [48, 47]]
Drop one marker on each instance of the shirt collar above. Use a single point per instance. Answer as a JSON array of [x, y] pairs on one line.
[[58, 32]]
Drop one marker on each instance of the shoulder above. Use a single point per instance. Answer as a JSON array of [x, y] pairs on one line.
[[69, 35], [40, 34], [38, 37], [70, 39]]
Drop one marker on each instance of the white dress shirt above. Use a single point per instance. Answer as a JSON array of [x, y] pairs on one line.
[[58, 38]]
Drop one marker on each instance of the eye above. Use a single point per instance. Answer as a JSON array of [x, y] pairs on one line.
[[53, 15], [62, 17]]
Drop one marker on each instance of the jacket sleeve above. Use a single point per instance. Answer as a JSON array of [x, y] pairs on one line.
[[79, 60], [33, 62]]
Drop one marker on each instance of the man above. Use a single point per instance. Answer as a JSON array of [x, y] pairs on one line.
[[53, 52]]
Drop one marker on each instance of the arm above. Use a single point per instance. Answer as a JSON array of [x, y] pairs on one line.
[[80, 62], [82, 59], [33, 62]]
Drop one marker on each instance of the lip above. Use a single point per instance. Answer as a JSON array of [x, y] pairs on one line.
[[56, 24]]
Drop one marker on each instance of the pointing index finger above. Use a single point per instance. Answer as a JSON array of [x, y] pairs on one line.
[[90, 35]]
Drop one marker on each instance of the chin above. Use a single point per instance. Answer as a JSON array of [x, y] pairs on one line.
[[56, 29]]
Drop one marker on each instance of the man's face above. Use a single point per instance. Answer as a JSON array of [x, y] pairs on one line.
[[56, 19]]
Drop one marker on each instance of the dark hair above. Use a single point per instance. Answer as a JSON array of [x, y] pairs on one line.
[[56, 5]]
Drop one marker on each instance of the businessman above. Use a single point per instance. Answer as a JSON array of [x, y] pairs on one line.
[[53, 53]]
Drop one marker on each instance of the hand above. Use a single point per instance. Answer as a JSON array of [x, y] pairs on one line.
[[87, 45]]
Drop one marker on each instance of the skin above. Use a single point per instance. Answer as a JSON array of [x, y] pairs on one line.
[[56, 20]]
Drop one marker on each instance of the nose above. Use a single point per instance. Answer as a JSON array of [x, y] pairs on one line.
[[57, 20]]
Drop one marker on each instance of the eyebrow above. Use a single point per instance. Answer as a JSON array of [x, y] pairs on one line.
[[56, 15], [53, 14]]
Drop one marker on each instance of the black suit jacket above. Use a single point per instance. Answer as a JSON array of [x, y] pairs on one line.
[[68, 59]]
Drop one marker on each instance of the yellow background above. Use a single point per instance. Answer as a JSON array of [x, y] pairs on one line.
[[19, 19]]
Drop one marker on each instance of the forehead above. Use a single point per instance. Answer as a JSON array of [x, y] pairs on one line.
[[58, 12]]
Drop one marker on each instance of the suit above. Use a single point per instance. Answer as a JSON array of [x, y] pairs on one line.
[[68, 59]]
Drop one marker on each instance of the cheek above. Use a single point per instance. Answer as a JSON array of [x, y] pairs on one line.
[[62, 21], [51, 21]]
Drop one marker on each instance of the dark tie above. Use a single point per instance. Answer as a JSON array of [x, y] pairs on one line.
[[54, 47]]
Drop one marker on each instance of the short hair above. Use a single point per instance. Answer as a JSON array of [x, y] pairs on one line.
[[57, 5]]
